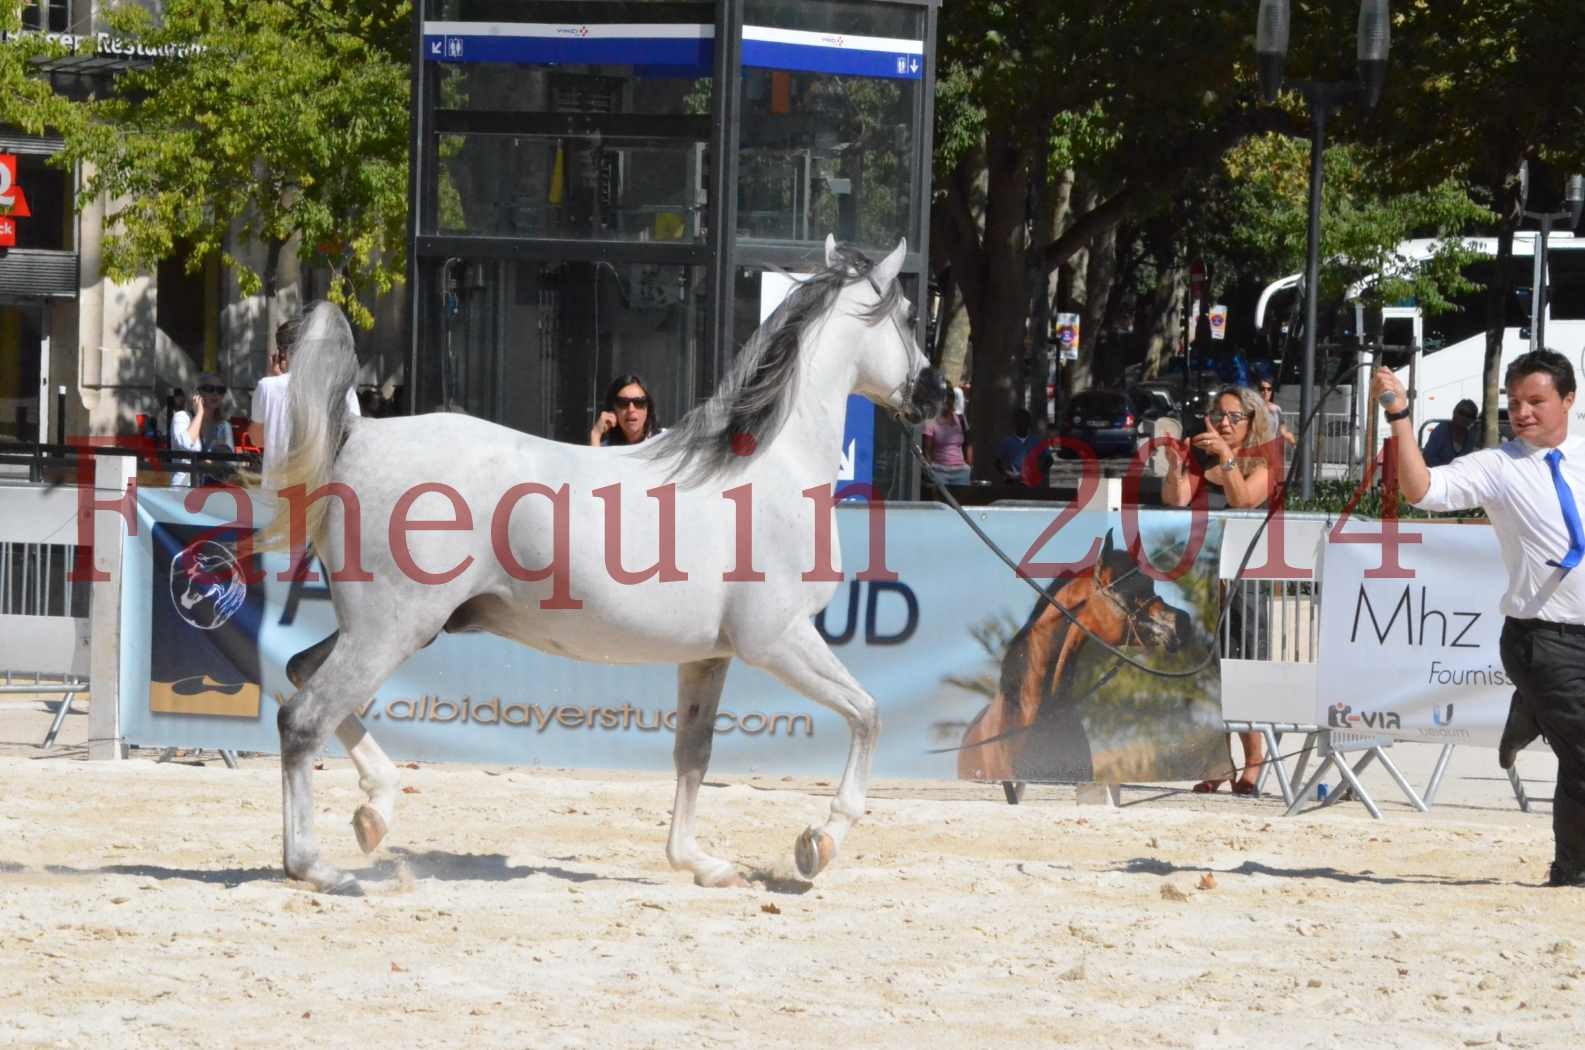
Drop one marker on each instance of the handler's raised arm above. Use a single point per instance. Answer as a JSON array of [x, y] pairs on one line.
[[1414, 477]]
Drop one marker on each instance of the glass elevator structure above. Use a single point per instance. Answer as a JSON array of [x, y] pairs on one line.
[[599, 188]]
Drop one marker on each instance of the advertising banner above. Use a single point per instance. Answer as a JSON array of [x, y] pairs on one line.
[[975, 677], [1416, 658]]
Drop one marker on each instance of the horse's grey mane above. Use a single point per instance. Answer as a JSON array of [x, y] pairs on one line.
[[750, 407]]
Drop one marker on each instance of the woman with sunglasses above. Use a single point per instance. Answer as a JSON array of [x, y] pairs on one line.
[[629, 414], [1230, 455], [201, 428]]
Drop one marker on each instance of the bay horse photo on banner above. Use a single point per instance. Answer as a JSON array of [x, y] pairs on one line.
[[1062, 708]]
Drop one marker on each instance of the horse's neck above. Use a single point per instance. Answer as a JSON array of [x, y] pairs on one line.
[[1050, 653], [811, 441], [1072, 596]]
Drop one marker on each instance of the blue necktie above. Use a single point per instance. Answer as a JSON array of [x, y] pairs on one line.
[[1565, 496]]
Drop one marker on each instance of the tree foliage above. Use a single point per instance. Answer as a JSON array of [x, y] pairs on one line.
[[291, 122]]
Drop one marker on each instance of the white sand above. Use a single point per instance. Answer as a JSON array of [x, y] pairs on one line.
[[143, 905]]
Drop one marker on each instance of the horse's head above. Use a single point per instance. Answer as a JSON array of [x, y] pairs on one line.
[[1129, 605], [892, 371]]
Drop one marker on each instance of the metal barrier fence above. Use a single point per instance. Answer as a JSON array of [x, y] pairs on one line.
[[1272, 620], [35, 580], [44, 612]]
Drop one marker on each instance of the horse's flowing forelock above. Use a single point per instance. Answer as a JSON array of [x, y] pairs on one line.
[[751, 406]]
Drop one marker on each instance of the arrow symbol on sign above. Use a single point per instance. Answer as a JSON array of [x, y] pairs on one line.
[[850, 455], [913, 66], [434, 47]]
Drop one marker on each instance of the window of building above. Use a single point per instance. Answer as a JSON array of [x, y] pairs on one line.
[[47, 16], [182, 304], [48, 191]]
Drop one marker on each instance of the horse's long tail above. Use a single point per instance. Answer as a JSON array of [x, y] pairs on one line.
[[324, 367]]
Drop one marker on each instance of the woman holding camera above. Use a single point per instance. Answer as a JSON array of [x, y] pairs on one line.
[[1231, 455]]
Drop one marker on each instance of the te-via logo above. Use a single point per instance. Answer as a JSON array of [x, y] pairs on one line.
[[1442, 717], [1342, 716]]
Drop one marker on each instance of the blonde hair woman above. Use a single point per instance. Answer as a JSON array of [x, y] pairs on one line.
[[1232, 450], [1233, 457]]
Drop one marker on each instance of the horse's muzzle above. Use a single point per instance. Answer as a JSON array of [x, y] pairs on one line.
[[929, 393]]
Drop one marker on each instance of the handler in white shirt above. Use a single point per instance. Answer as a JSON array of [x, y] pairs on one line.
[[1530, 489], [270, 425]]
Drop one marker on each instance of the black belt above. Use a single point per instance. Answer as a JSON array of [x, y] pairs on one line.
[[1547, 625]]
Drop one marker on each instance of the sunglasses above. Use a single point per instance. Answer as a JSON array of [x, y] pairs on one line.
[[1265, 389], [635, 402], [211, 390], [1216, 415]]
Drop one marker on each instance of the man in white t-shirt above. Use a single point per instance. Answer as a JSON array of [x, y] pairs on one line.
[[270, 426]]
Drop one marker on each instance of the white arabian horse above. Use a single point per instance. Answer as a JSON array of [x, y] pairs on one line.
[[533, 534]]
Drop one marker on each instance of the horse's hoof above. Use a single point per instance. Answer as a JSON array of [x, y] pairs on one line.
[[346, 886], [369, 826], [727, 879], [814, 850]]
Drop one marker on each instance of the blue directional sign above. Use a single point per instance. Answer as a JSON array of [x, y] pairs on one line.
[[680, 49]]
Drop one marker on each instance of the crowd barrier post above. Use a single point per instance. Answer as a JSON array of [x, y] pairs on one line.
[[113, 478]]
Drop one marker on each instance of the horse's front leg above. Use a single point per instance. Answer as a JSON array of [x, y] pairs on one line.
[[803, 661], [698, 695]]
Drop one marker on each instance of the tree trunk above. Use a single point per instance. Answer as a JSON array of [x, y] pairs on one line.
[[1000, 323], [1496, 314], [1099, 272]]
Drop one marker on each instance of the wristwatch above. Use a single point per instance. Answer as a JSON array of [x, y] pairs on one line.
[[1229, 465], [1404, 413]]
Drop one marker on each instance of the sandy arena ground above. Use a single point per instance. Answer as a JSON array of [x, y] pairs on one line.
[[142, 905]]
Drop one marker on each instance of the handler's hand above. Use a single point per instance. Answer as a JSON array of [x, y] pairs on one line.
[[1382, 381]]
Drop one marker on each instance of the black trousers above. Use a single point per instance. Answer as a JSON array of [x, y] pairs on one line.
[[1547, 667]]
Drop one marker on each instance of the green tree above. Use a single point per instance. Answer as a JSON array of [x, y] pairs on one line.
[[1475, 87], [290, 121]]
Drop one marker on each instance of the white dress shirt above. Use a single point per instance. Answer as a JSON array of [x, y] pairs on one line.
[[1514, 485]]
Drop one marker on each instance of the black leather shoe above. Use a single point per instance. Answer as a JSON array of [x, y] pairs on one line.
[[1517, 734], [1564, 876]]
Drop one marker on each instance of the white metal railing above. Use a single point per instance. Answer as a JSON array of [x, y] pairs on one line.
[[44, 612]]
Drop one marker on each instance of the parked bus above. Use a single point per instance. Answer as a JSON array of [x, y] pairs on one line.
[[1442, 356]]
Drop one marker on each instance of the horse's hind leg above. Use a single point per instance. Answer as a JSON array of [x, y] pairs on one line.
[[376, 772], [803, 661], [698, 694], [349, 676]]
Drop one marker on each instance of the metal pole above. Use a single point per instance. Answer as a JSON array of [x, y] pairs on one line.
[[1538, 292], [1316, 96]]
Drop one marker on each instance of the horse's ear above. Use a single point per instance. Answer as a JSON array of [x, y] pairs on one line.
[[831, 251], [1106, 554], [887, 269], [1134, 549]]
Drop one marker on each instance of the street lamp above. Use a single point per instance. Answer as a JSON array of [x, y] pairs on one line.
[[1271, 49], [1573, 203]]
